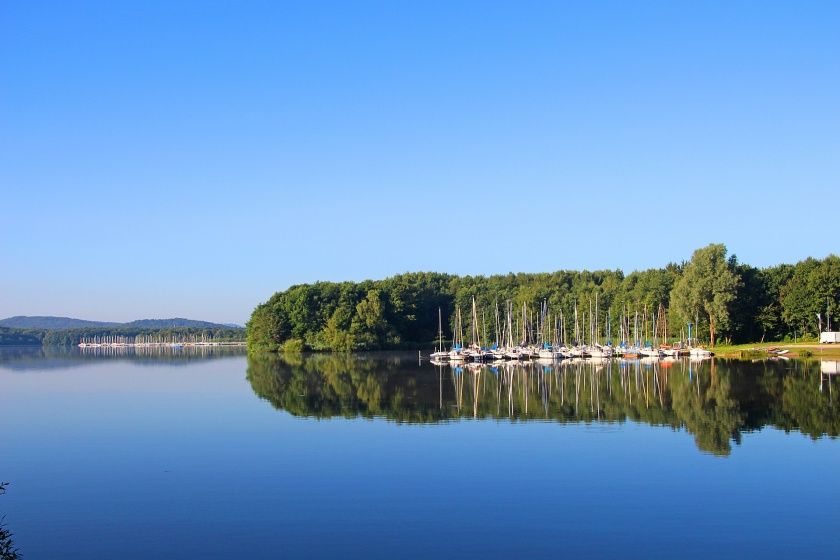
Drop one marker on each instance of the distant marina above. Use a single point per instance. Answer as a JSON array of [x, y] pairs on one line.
[[155, 341]]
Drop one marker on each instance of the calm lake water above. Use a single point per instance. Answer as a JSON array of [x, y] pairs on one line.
[[212, 455]]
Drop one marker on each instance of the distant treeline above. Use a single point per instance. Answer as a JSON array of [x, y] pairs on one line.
[[727, 300], [20, 337], [72, 337]]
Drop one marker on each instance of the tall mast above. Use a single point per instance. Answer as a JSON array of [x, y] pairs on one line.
[[498, 337], [597, 333], [440, 329], [455, 328]]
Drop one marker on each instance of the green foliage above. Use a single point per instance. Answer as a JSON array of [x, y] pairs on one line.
[[734, 301], [768, 311], [813, 288], [336, 334], [267, 328], [750, 311], [369, 327], [369, 315], [292, 346], [708, 285], [8, 551]]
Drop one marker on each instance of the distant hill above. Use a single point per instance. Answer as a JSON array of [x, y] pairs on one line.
[[51, 323], [175, 322], [66, 323]]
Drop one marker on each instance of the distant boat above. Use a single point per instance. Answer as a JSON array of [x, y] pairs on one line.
[[698, 352], [562, 353], [546, 352], [677, 349], [498, 353], [598, 351], [629, 352], [581, 351], [457, 356], [650, 352], [440, 354], [458, 353]]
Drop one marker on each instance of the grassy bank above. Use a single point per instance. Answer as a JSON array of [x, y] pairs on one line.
[[797, 350]]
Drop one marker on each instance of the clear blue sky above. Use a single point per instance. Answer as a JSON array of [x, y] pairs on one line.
[[164, 159]]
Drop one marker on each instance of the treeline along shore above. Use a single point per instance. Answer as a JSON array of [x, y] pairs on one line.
[[725, 300], [73, 337]]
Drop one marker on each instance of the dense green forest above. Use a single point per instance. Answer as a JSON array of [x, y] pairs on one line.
[[726, 299], [72, 337]]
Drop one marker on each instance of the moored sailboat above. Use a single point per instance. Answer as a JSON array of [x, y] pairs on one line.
[[440, 354]]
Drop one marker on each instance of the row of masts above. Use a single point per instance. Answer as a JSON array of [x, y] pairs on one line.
[[546, 335], [152, 340]]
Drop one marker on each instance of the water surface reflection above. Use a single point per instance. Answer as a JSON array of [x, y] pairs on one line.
[[24, 358], [714, 400]]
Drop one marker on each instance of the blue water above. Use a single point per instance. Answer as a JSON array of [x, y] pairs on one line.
[[110, 457]]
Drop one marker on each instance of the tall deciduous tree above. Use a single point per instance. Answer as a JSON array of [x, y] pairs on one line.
[[708, 286]]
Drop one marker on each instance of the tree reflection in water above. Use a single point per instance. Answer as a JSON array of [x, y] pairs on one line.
[[714, 400]]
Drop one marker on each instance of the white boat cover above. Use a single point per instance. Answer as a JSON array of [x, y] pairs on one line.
[[830, 337]]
